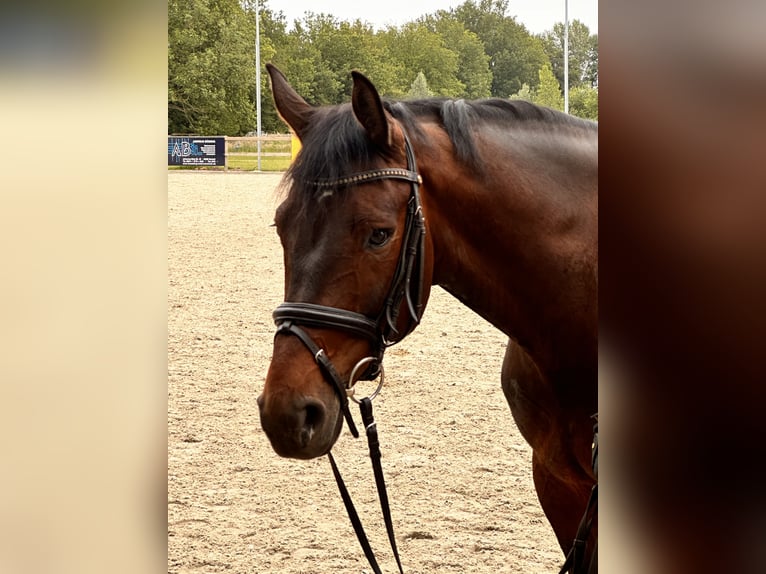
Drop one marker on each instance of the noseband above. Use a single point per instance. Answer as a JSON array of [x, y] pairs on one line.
[[406, 286]]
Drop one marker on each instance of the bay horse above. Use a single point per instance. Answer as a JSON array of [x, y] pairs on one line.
[[496, 201]]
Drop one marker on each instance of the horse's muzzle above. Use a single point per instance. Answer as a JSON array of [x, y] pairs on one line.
[[298, 426]]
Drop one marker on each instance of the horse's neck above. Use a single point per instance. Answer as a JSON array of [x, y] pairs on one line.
[[519, 245]]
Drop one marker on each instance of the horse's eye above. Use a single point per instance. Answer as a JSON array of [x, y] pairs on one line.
[[379, 237]]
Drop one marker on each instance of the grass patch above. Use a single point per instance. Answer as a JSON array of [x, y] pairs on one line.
[[250, 163], [266, 147]]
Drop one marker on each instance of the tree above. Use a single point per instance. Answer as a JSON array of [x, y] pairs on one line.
[[472, 51], [583, 102], [211, 69], [320, 52], [583, 53], [514, 54], [548, 92], [419, 88], [525, 93], [416, 48], [472, 61]]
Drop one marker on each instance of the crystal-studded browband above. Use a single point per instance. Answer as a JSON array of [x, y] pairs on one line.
[[372, 175]]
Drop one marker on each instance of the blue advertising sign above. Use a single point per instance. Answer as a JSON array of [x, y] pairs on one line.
[[196, 151]]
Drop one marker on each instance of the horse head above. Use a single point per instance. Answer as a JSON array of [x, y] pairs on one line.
[[357, 262]]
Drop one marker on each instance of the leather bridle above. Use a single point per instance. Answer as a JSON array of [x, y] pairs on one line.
[[407, 286]]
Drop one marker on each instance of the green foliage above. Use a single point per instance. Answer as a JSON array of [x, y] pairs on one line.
[[583, 102], [514, 54], [472, 61], [472, 51], [250, 163], [211, 68], [583, 54], [525, 93], [548, 92], [419, 88], [336, 48], [415, 47]]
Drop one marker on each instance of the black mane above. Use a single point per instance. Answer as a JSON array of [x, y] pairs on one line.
[[336, 144]]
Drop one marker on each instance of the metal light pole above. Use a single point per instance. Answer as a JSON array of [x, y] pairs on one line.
[[566, 56], [258, 80]]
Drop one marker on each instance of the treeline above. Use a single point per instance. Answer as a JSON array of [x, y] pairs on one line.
[[472, 51]]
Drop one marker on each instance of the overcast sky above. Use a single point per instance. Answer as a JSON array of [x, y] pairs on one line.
[[537, 15]]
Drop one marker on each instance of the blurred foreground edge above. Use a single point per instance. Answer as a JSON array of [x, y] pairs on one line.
[[683, 281]]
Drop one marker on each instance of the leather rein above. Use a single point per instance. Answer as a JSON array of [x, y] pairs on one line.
[[406, 289]]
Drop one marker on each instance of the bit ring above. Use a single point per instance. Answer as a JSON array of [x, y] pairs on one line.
[[362, 363]]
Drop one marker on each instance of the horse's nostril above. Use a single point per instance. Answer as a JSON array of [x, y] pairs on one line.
[[314, 413]]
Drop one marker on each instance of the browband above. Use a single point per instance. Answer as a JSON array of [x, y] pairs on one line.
[[372, 175]]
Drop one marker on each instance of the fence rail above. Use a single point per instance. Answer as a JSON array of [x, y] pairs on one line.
[[262, 154], [246, 153], [273, 152]]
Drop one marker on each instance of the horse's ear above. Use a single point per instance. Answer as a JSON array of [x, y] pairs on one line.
[[368, 109], [291, 107]]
